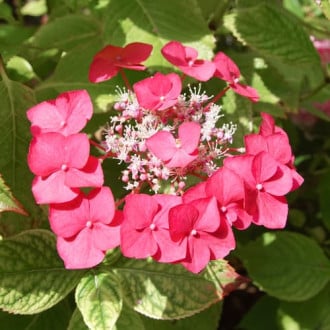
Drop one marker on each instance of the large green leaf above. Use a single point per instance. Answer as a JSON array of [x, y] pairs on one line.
[[68, 32], [286, 265], [207, 319], [164, 291], [55, 318], [274, 33], [98, 297], [77, 321], [15, 99], [32, 276], [156, 23], [310, 314]]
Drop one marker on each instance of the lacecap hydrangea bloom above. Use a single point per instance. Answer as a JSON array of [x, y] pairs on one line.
[[164, 133]]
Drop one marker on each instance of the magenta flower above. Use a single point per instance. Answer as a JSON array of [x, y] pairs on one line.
[[228, 188], [228, 71], [86, 228], [67, 114], [176, 152], [197, 227], [144, 231], [266, 182], [185, 58], [61, 164], [159, 92], [108, 61]]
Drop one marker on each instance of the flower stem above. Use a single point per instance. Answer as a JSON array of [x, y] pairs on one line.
[[124, 77]]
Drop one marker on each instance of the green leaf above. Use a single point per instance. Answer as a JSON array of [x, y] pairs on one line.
[[324, 192], [325, 5], [32, 275], [68, 32], [274, 33], [167, 292], [262, 315], [130, 319], [34, 8], [77, 321], [52, 319], [310, 314], [18, 68], [98, 297], [156, 23], [15, 99], [8, 201], [207, 319], [286, 265]]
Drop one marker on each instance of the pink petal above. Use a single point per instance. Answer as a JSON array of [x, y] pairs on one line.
[[105, 237], [76, 150], [101, 70], [135, 53], [226, 186], [46, 153], [91, 175], [189, 136], [272, 211], [201, 70], [255, 143], [282, 154], [245, 91], [76, 109], [137, 243], [68, 219], [162, 145], [181, 221], [140, 210], [101, 205], [195, 192], [263, 167], [209, 218], [52, 189], [226, 69], [281, 183], [267, 126], [199, 255], [181, 159], [168, 250], [79, 252], [174, 52]]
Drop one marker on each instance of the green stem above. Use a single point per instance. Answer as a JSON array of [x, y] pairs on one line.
[[3, 73]]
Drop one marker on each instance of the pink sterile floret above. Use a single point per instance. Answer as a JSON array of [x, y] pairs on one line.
[[228, 71], [158, 92], [86, 227], [61, 164], [185, 58], [266, 182], [67, 114], [176, 152], [197, 227], [108, 61], [229, 190], [144, 231]]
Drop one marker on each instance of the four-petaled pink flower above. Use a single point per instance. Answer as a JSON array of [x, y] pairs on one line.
[[176, 152], [228, 71], [61, 164], [67, 114], [267, 181], [159, 92], [144, 231], [197, 227], [108, 61], [185, 58], [86, 227]]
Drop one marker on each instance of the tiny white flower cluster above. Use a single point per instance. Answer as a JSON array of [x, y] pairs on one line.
[[126, 137]]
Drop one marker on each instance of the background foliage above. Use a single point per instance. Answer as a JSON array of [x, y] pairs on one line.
[[46, 48]]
